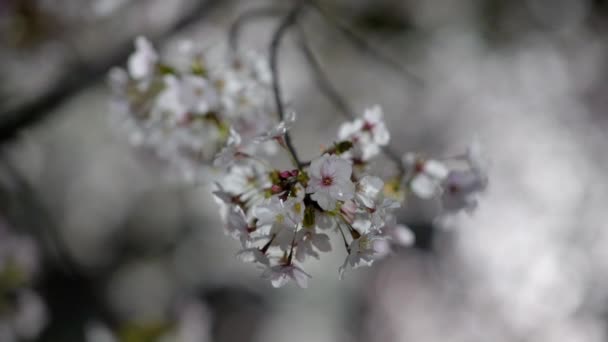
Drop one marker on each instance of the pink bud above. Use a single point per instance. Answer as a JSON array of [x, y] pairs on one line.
[[276, 189]]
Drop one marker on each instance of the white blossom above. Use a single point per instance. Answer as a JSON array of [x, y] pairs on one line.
[[237, 225], [308, 241], [425, 177], [279, 130], [368, 189], [253, 255], [363, 251], [330, 181], [367, 134], [279, 275], [231, 152], [142, 63]]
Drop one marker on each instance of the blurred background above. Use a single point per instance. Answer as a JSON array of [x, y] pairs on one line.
[[106, 241]]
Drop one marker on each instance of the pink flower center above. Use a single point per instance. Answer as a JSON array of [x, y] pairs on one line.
[[419, 166], [327, 181], [453, 188], [368, 126]]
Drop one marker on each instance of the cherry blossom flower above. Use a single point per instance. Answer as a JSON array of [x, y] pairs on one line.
[[278, 131], [424, 177], [308, 241], [368, 189], [237, 226], [253, 255], [142, 63], [363, 251], [279, 275], [368, 134], [330, 181], [462, 186], [231, 152]]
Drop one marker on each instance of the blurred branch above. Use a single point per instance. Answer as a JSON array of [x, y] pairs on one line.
[[81, 76], [289, 20], [38, 220], [361, 44], [332, 94], [234, 33]]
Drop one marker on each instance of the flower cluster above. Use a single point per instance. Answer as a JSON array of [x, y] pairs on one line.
[[284, 217], [23, 314], [182, 107], [456, 181], [195, 112]]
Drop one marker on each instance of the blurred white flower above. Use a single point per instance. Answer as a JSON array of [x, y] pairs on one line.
[[278, 131], [231, 152], [98, 332], [253, 255], [424, 176], [237, 226], [279, 275], [142, 63]]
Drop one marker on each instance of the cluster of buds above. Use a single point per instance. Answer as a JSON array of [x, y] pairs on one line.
[[23, 314], [183, 107]]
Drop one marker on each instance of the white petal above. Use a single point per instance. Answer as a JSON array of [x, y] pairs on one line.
[[402, 235], [436, 169], [300, 277], [381, 135], [321, 242], [424, 186], [325, 201], [373, 115]]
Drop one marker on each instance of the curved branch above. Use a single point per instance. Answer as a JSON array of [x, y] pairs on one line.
[[234, 32], [286, 23], [332, 94], [361, 44]]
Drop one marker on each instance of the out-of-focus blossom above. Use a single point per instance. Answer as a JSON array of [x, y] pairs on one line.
[[23, 314], [142, 63], [279, 275], [362, 251], [424, 177], [185, 108], [188, 322]]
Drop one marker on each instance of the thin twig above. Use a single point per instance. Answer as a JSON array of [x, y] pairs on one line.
[[39, 220], [234, 32], [364, 46], [332, 94], [286, 23]]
